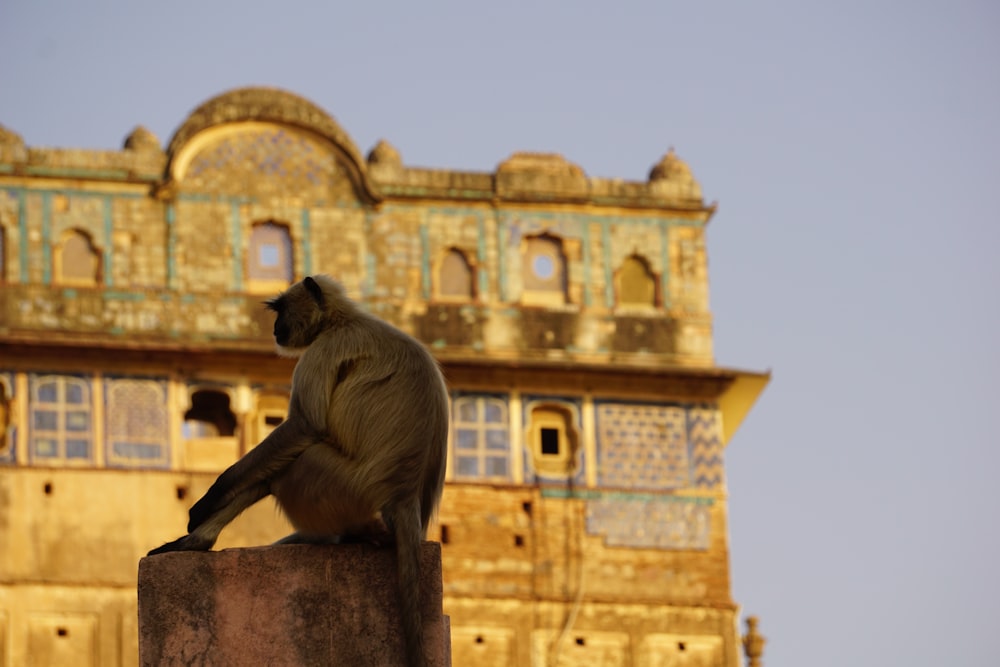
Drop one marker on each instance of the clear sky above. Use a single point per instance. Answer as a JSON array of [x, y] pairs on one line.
[[854, 150]]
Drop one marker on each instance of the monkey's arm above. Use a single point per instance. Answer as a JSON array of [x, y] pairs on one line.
[[240, 486], [203, 537]]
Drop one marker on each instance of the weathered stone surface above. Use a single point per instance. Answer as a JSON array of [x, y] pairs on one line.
[[630, 546], [283, 605]]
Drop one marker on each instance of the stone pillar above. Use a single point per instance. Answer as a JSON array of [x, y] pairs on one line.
[[284, 605]]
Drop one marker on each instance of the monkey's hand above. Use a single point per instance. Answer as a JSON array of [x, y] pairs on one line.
[[186, 543]]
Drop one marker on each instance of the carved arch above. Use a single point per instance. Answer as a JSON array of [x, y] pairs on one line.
[[455, 277], [270, 261], [635, 283], [77, 260], [209, 413], [544, 270]]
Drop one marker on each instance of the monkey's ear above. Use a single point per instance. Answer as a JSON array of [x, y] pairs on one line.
[[315, 291]]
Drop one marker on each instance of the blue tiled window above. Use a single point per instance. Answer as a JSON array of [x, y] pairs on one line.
[[481, 438], [61, 419]]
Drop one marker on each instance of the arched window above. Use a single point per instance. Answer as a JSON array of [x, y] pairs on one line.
[[455, 277], [269, 259], [635, 284], [77, 261], [209, 431], [543, 271], [481, 438], [209, 416], [61, 415]]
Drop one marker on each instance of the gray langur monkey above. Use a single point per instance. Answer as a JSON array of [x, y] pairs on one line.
[[365, 439]]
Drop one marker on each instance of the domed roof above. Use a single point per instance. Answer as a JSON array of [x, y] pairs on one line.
[[263, 105], [385, 154], [141, 139], [672, 177], [670, 167], [10, 138], [268, 105]]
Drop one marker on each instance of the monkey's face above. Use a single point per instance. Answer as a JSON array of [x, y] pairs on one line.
[[281, 330], [298, 320], [285, 328]]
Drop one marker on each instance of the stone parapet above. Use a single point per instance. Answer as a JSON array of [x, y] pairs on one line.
[[283, 605], [159, 318]]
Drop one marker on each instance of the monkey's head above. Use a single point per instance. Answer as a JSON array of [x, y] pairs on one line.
[[303, 311]]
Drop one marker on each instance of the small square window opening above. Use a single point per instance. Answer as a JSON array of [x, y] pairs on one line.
[[550, 441]]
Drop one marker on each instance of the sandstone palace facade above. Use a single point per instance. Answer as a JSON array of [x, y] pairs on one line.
[[585, 517]]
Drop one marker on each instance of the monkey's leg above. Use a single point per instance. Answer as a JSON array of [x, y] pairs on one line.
[[325, 493], [261, 464], [374, 533], [205, 535]]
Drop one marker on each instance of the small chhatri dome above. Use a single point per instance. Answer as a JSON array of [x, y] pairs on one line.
[[10, 138], [672, 177], [670, 167], [385, 154], [12, 148], [141, 139]]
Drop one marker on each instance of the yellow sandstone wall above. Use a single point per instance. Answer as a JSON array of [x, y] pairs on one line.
[[553, 300]]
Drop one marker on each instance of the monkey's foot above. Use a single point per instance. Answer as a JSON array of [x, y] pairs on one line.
[[186, 543], [298, 538]]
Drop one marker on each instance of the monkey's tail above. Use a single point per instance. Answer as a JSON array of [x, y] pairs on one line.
[[409, 538]]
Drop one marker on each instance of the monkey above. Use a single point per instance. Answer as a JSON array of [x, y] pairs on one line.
[[364, 443]]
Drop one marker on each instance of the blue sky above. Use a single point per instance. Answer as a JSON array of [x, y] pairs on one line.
[[854, 150]]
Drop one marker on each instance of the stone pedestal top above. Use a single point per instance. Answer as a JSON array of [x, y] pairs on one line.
[[283, 605]]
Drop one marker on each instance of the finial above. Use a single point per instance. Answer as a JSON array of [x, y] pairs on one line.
[[753, 643]]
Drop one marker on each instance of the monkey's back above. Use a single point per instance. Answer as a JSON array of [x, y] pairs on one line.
[[388, 411]]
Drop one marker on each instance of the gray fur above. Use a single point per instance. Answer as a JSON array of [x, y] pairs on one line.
[[365, 438]]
